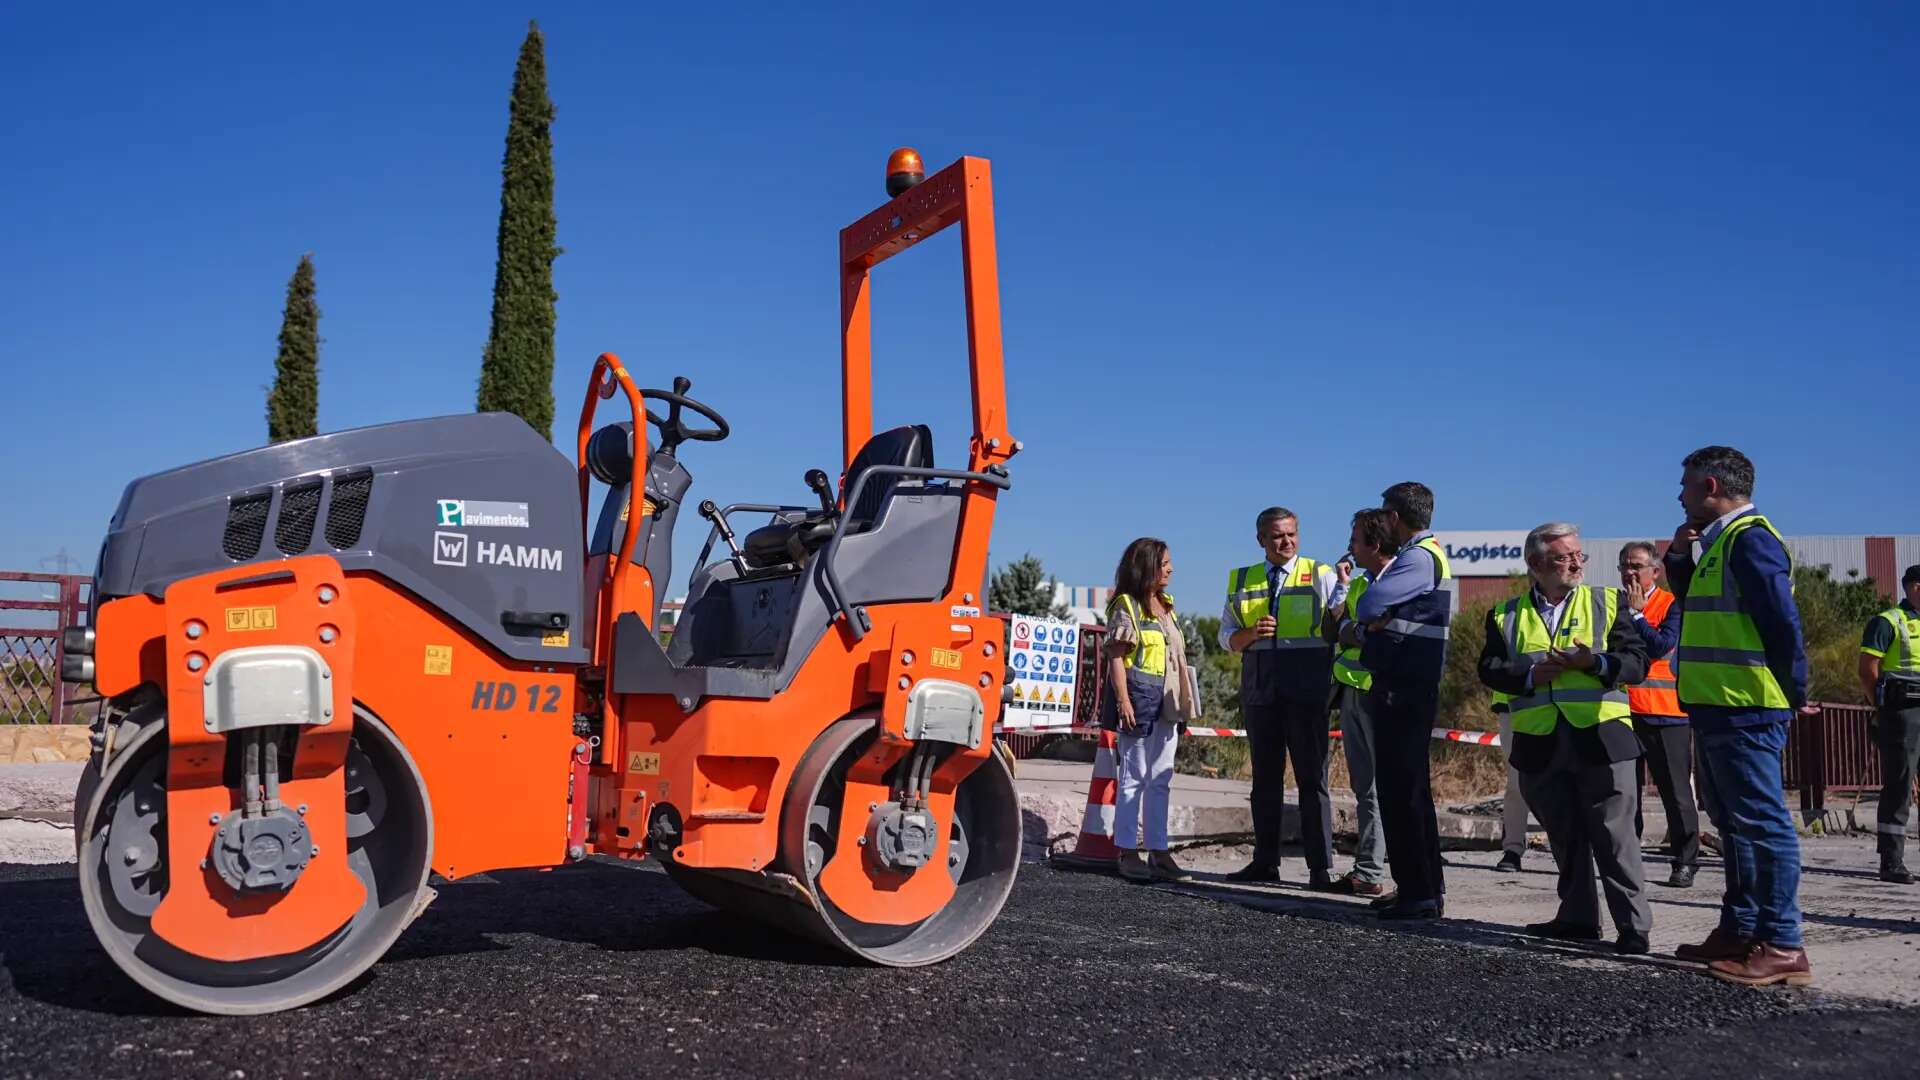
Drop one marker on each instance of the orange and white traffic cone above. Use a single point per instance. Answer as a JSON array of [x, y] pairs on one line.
[[1094, 850]]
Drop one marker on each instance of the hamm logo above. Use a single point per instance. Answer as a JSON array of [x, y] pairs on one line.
[[488, 553]]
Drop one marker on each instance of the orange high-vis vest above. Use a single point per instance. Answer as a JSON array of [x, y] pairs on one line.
[[1658, 695]]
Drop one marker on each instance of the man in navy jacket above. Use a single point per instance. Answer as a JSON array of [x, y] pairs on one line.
[[1758, 941]]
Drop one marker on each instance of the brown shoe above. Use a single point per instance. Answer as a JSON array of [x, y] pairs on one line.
[[1355, 885], [1161, 865], [1132, 866], [1720, 945], [1765, 965]]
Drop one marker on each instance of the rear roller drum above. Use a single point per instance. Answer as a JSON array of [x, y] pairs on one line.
[[124, 874], [982, 857]]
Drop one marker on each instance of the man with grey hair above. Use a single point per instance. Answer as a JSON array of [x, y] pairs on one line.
[[1273, 617], [1560, 658], [1658, 719]]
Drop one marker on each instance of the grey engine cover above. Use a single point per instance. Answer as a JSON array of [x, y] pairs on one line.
[[475, 514]]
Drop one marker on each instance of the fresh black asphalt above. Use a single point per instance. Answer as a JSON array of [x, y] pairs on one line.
[[607, 969]]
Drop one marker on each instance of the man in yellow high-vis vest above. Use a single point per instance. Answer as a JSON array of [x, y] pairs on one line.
[[1742, 671], [1370, 543], [1273, 618], [1559, 658], [1890, 676]]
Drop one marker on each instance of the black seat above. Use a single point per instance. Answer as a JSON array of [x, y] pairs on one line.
[[790, 542]]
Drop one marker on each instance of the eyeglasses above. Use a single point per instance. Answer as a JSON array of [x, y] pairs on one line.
[[1578, 558], [1636, 568]]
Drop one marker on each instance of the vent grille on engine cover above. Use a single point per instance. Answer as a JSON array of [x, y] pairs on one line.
[[299, 509], [246, 526], [347, 510]]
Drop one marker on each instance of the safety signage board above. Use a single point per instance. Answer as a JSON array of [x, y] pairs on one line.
[[1044, 657]]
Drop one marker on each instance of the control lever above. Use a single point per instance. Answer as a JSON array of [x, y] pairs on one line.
[[823, 487], [712, 513]]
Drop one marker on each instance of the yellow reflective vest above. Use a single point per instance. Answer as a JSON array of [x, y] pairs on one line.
[[1722, 659], [1586, 618], [1295, 605], [1347, 668]]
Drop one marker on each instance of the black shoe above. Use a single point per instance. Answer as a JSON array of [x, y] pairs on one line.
[[1385, 899], [1630, 944], [1321, 881], [1682, 877], [1897, 873], [1410, 909], [1256, 871], [1509, 863], [1563, 931]]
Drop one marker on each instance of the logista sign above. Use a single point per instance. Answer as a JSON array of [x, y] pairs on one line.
[[1484, 554]]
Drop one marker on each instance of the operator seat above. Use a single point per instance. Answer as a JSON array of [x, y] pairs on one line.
[[791, 542]]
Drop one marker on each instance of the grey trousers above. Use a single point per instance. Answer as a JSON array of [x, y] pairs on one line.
[[1513, 807], [1356, 739], [1588, 814]]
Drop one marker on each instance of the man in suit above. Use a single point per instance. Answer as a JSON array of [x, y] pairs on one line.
[[1273, 618], [1560, 658], [1400, 624], [1742, 670]]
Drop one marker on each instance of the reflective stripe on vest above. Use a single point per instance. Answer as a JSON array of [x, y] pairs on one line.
[[1586, 618], [1722, 660], [1297, 618], [1655, 695], [1148, 660], [1347, 669], [1426, 627]]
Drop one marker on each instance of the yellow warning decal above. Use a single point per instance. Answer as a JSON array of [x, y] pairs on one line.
[[242, 620], [559, 639], [1017, 694], [645, 764], [946, 658], [439, 660]]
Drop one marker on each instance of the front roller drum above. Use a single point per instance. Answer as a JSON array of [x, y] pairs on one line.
[[983, 857], [122, 841]]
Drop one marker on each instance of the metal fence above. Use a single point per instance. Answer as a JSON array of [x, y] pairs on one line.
[[1832, 751], [34, 609]]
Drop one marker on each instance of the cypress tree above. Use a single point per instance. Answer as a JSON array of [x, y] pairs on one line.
[[516, 370], [293, 405]]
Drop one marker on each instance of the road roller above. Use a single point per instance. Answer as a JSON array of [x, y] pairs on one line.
[[337, 667]]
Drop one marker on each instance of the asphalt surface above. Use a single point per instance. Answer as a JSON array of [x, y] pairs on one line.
[[610, 969]]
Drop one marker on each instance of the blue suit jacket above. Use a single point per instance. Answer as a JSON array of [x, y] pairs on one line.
[[1764, 574]]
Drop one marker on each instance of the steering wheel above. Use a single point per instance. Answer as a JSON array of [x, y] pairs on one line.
[[674, 430]]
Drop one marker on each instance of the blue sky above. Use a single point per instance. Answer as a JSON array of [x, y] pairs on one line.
[[1278, 254]]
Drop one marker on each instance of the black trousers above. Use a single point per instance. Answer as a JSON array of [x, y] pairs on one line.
[[1668, 755], [1898, 733], [1275, 732], [1403, 775]]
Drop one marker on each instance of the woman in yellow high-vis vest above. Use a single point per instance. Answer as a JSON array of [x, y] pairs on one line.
[[1150, 692]]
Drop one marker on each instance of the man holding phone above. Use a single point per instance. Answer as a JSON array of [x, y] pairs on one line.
[[1560, 659], [1658, 719]]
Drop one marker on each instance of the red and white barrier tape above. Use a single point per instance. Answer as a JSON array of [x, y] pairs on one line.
[[1471, 738]]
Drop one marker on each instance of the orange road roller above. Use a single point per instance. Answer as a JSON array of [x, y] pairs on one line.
[[335, 667]]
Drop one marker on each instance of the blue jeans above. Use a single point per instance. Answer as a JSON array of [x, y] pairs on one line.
[[1745, 797]]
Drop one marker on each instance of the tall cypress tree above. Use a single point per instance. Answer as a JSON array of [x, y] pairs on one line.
[[293, 405], [516, 371]]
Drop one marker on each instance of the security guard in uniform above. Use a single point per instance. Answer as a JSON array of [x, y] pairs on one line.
[[1273, 617], [1559, 658], [1890, 675]]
